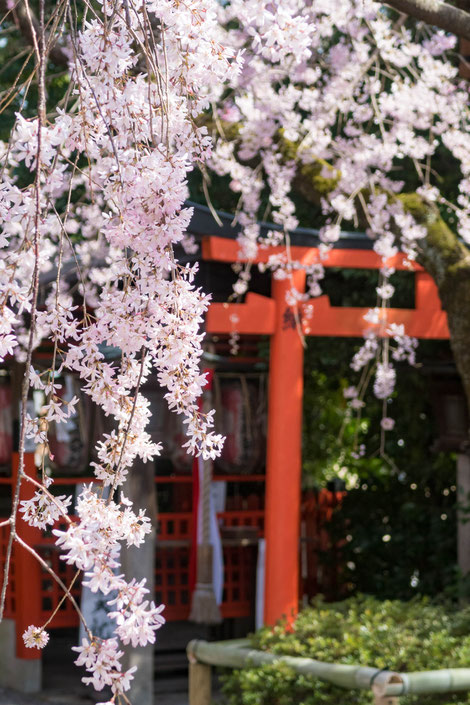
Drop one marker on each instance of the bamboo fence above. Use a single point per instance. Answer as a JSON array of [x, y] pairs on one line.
[[386, 686]]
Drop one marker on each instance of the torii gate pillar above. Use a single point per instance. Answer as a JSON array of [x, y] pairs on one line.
[[284, 458], [260, 315]]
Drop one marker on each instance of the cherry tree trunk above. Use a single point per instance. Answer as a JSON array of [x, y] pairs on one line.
[[455, 296]]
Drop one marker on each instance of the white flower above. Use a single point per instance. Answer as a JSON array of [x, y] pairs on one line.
[[42, 510], [35, 637], [384, 382], [373, 315], [330, 233], [357, 404], [385, 291], [387, 423], [7, 345]]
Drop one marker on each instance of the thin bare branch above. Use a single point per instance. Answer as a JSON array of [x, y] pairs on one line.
[[60, 582], [38, 38]]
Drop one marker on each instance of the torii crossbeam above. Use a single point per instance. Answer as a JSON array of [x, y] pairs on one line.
[[261, 315]]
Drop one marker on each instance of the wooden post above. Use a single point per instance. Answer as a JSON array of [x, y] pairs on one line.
[[380, 681], [385, 699], [283, 471], [27, 569], [200, 685]]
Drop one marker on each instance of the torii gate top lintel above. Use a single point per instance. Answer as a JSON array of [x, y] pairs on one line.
[[319, 318], [224, 249]]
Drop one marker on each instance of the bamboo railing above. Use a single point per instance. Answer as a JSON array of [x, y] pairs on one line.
[[386, 686]]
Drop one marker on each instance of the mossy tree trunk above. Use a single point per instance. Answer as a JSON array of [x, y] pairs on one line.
[[447, 260]]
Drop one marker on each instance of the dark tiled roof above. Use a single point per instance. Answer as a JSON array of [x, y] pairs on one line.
[[204, 223]]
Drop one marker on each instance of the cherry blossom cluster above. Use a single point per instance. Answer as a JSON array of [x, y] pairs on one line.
[[35, 637], [102, 658], [43, 509], [362, 102], [117, 152]]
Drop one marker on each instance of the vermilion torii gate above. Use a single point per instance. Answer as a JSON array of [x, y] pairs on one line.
[[260, 315]]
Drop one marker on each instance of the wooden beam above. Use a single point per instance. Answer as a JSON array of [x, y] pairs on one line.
[[327, 320], [221, 249], [348, 322], [255, 317]]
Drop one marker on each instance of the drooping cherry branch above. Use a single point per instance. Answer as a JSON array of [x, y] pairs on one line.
[[334, 101]]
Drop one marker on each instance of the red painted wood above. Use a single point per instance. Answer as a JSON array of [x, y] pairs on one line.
[[27, 569], [283, 465], [255, 316], [222, 249], [319, 318], [342, 321]]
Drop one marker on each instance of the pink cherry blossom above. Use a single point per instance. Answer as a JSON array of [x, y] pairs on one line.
[[35, 637]]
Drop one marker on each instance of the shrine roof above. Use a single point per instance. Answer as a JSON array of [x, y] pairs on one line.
[[203, 223]]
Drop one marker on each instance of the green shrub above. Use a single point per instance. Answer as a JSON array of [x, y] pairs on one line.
[[398, 636]]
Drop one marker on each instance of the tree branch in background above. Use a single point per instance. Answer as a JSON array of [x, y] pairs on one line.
[[437, 13], [19, 15]]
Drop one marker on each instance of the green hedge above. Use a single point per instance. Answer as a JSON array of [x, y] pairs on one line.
[[399, 636]]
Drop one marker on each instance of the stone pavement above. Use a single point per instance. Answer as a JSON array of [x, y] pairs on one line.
[[57, 697], [12, 697], [62, 684], [62, 679], [168, 691]]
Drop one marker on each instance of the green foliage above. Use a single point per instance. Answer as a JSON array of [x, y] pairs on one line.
[[331, 435], [393, 502], [222, 197], [412, 636], [381, 525]]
